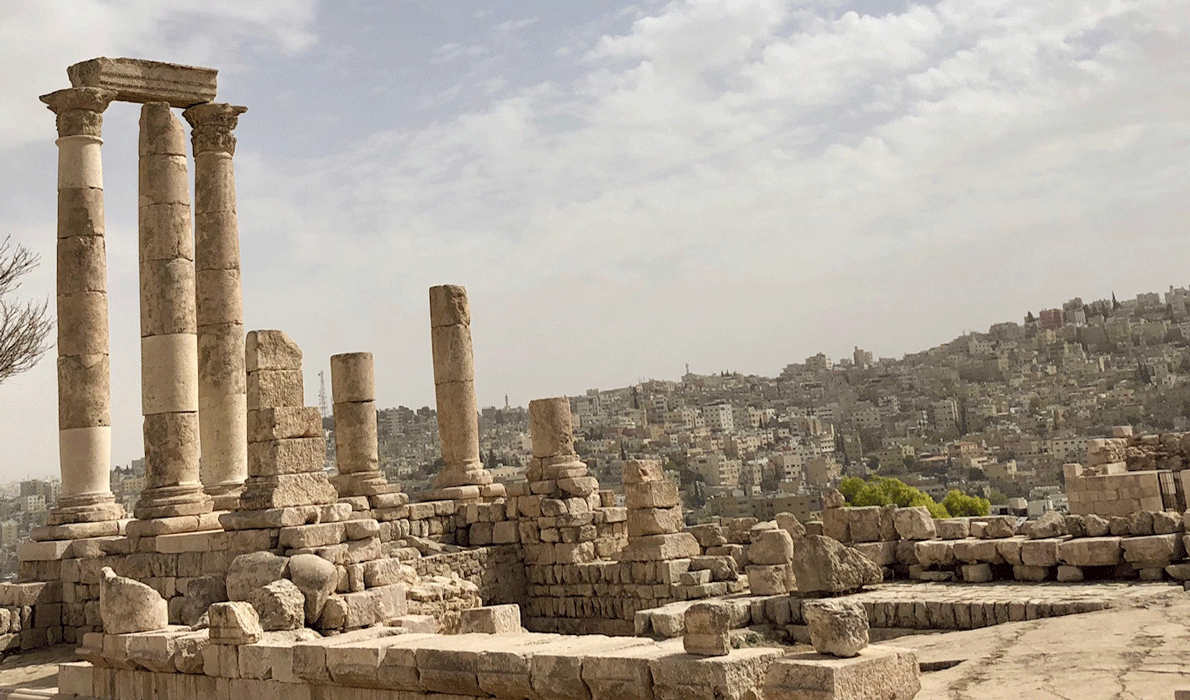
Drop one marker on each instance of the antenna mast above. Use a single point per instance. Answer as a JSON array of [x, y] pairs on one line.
[[322, 395]]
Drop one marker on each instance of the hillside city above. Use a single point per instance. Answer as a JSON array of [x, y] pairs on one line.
[[992, 414]]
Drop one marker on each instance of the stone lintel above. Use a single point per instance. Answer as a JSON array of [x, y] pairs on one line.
[[138, 80]]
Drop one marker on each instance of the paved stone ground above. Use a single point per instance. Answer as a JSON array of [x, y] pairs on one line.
[[33, 673], [1138, 650]]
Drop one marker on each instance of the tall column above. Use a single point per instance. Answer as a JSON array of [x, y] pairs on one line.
[[84, 395], [169, 349], [454, 390], [357, 453], [222, 383]]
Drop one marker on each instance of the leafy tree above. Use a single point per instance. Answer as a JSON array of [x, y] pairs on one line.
[[24, 328], [850, 486], [884, 491], [960, 505]]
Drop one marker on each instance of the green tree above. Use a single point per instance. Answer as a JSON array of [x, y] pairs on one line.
[[960, 505], [885, 491]]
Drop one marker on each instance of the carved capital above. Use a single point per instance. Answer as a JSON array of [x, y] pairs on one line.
[[211, 125], [79, 110]]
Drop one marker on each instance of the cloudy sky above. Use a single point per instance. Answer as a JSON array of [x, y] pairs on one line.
[[625, 189]]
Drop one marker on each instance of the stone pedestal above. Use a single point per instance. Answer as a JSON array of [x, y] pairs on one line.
[[454, 389], [169, 350], [357, 451], [84, 401], [222, 381]]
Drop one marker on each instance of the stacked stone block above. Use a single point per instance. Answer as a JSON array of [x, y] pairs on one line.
[[654, 516], [1110, 490]]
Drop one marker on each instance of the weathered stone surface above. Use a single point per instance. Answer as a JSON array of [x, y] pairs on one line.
[[914, 523], [1153, 551], [138, 80], [126, 605], [1166, 522], [1040, 552], [491, 619], [253, 570], [997, 527], [1050, 524], [837, 627], [935, 554], [234, 623], [1096, 526], [771, 547], [952, 528], [707, 629], [769, 579], [878, 673], [865, 523], [823, 565], [789, 523], [280, 605]]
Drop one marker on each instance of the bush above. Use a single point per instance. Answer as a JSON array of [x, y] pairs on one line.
[[960, 505], [885, 491]]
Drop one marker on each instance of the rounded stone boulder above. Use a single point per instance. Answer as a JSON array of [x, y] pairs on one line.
[[837, 627]]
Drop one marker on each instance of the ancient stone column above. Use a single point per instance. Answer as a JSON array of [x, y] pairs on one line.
[[169, 349], [84, 397], [222, 384], [357, 452], [454, 388]]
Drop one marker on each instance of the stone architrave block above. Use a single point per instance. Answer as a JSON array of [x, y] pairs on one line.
[[138, 80], [286, 456]]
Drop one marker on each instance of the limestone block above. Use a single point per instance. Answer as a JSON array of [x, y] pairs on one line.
[[1070, 574], [84, 387], [550, 424], [769, 579], [234, 623], [136, 80], [169, 373], [220, 297], [315, 577], [1166, 522], [823, 565], [82, 323], [1050, 524], [317, 535], [997, 527], [975, 551], [660, 494], [216, 230], [171, 448], [286, 456], [53, 550], [1153, 551], [271, 350], [622, 674], [1097, 526], [881, 553], [1009, 550], [914, 523], [279, 604], [458, 423], [163, 229], [771, 547], [1030, 573], [976, 573], [82, 265], [491, 619], [732, 677], [878, 673], [952, 528], [221, 360], [654, 521], [707, 629], [167, 304], [354, 610], [126, 605], [836, 524], [254, 570], [80, 207], [865, 523], [449, 306], [789, 523], [680, 545], [640, 471], [1040, 552], [585, 486], [269, 388], [837, 627], [356, 441], [164, 178], [284, 422]]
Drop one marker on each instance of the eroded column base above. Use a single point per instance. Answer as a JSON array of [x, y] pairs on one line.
[[369, 483], [172, 501], [225, 496], [87, 508], [463, 475]]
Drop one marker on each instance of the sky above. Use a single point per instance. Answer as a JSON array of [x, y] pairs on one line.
[[627, 189]]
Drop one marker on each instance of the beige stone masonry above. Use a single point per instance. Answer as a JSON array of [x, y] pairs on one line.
[[137, 80]]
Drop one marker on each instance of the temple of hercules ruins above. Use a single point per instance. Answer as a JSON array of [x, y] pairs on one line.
[[248, 569]]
